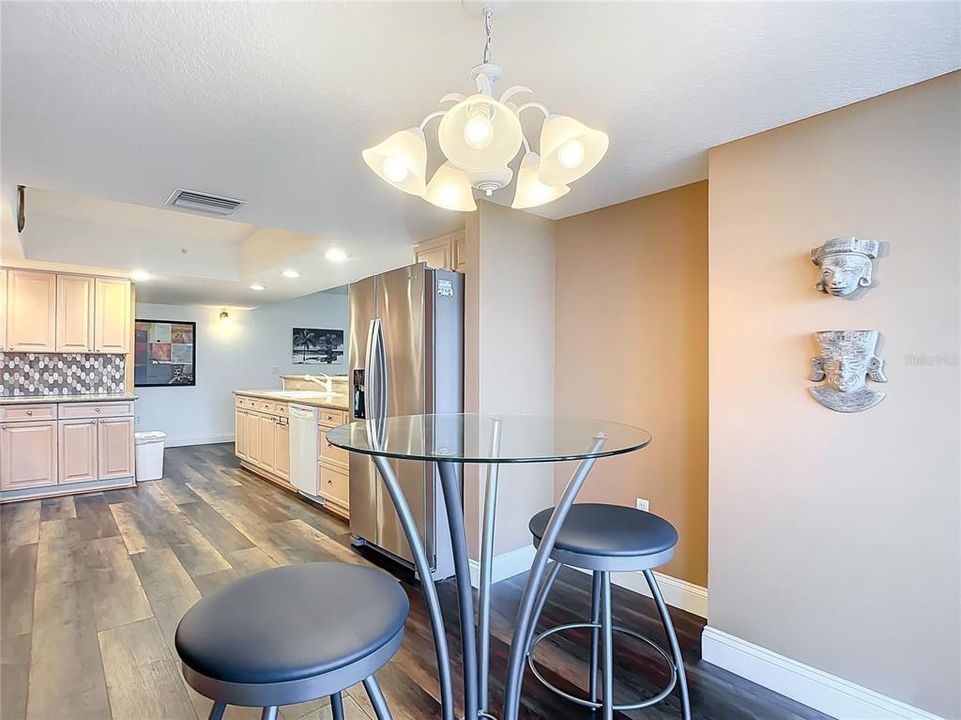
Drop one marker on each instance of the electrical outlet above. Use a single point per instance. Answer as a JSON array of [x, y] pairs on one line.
[[642, 504]]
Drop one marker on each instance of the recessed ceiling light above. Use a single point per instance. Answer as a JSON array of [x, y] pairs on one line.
[[336, 255], [257, 287], [291, 274], [139, 275]]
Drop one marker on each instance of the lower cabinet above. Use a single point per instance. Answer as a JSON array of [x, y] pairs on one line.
[[78, 450], [90, 442], [28, 455], [240, 434], [282, 448], [265, 428]]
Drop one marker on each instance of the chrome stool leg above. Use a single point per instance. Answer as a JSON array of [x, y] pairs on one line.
[[607, 643], [217, 711], [337, 706], [595, 632], [269, 713], [377, 699], [672, 641]]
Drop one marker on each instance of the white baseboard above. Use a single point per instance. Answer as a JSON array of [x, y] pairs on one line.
[[204, 440], [506, 565], [812, 687], [677, 593]]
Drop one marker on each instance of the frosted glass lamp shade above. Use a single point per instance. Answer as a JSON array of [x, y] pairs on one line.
[[472, 144], [530, 191], [401, 160], [450, 188], [569, 150]]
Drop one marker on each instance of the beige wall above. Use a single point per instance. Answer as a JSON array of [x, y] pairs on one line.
[[835, 538], [509, 349], [631, 346]]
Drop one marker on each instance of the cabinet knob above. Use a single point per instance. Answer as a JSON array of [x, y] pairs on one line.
[[96, 409], [29, 412]]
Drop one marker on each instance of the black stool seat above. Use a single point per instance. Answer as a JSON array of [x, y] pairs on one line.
[[608, 531], [292, 623]]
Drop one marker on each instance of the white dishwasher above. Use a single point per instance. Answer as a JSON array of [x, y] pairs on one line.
[[304, 474]]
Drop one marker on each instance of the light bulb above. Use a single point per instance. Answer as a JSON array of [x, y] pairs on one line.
[[290, 274], [395, 170], [336, 255], [257, 287], [478, 132], [571, 154]]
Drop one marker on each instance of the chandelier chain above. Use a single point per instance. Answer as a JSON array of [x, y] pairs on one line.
[[488, 18]]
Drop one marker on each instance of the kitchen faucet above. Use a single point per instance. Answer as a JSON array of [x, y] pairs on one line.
[[327, 382]]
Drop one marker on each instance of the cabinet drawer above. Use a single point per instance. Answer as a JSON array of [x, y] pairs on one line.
[[13, 413], [334, 485], [331, 418], [96, 410], [243, 402], [332, 455]]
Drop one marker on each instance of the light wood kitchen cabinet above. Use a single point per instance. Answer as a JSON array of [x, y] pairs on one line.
[[115, 449], [442, 253], [265, 428], [31, 311], [240, 434], [75, 316], [78, 451], [112, 315], [28, 455], [3, 309], [282, 449], [335, 486], [252, 431]]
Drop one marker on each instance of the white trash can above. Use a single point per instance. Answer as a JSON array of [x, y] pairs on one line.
[[150, 455]]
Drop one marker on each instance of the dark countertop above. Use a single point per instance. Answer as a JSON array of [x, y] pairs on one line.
[[49, 399]]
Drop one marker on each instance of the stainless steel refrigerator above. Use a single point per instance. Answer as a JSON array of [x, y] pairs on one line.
[[406, 357]]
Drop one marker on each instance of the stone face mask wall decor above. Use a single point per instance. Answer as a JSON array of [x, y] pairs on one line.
[[846, 263], [845, 358]]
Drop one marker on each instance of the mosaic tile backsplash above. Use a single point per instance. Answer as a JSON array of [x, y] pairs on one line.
[[60, 374]]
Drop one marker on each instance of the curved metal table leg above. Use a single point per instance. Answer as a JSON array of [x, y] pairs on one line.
[[486, 569], [427, 583], [522, 630], [555, 568], [465, 598]]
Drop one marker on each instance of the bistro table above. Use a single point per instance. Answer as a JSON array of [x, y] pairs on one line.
[[452, 440]]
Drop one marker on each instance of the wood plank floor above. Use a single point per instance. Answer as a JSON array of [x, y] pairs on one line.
[[92, 588]]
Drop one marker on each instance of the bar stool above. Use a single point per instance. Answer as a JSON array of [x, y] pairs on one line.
[[293, 634], [606, 539]]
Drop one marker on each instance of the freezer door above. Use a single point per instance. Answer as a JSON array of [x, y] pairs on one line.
[[400, 305], [364, 482]]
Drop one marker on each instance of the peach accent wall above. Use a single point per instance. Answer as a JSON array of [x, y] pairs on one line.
[[834, 537], [631, 346]]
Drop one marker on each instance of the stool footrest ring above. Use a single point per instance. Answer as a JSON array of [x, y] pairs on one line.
[[647, 702]]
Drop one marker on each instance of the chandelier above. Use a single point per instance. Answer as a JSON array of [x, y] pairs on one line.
[[480, 136]]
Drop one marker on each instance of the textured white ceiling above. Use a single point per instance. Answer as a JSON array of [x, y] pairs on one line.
[[272, 103]]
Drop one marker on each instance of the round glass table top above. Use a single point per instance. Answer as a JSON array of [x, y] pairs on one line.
[[473, 438]]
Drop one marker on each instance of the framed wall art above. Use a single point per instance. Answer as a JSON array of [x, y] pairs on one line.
[[165, 353]]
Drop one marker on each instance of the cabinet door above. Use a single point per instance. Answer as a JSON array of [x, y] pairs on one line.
[[252, 437], [240, 434], [31, 311], [458, 248], [3, 309], [28, 455], [282, 449], [78, 450], [436, 253], [266, 427], [115, 446], [75, 313], [112, 316]]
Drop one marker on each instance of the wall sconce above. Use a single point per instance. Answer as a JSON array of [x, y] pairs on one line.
[[224, 317]]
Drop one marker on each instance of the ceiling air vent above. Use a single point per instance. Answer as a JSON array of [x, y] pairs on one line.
[[202, 202]]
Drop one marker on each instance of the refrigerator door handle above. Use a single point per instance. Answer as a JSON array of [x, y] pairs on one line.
[[376, 371]]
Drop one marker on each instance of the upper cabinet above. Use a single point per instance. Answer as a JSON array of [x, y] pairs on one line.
[[75, 303], [31, 311], [46, 312], [112, 316], [443, 253]]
